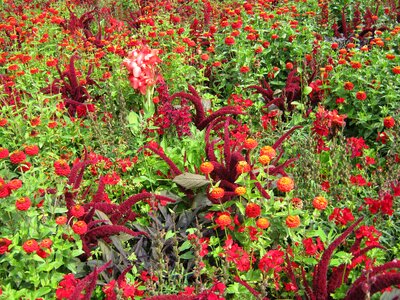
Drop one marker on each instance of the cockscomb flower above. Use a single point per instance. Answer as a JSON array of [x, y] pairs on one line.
[[141, 64]]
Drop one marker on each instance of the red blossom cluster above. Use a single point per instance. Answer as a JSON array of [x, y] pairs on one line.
[[236, 254]]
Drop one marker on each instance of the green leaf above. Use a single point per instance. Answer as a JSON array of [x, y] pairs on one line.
[[187, 255], [186, 245], [169, 234], [307, 90]]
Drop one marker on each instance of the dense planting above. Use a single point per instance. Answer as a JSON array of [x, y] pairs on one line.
[[199, 149]]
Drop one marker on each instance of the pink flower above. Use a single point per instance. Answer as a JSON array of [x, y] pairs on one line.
[[141, 64]]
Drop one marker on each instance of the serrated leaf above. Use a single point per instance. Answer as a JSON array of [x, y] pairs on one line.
[[190, 181]]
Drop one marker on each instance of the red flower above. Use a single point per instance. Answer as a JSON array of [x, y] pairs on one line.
[[17, 157], [3, 122], [229, 41], [4, 244], [250, 143], [77, 211], [61, 167], [361, 95], [4, 189], [388, 122], [23, 203], [243, 167], [236, 254], [66, 287], [341, 216], [4, 153], [111, 179], [348, 86], [253, 210], [46, 243], [14, 184], [272, 260], [311, 248], [30, 246], [61, 220], [244, 69], [396, 70], [32, 150], [80, 227]]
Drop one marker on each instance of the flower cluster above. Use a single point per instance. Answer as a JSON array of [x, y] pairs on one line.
[[141, 64]]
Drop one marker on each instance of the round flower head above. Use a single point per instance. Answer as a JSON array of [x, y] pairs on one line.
[[268, 150], [285, 184], [250, 143], [17, 157], [240, 190], [264, 159], [262, 223], [253, 210], [30, 246], [4, 153], [206, 167], [217, 193], [80, 227], [388, 122], [61, 167], [293, 221], [32, 150], [243, 167], [61, 220], [223, 220], [320, 203], [4, 189], [23, 203], [4, 243], [77, 211]]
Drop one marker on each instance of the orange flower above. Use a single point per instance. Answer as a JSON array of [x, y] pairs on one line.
[[242, 167], [217, 193], [250, 143], [262, 223], [206, 167], [223, 220], [240, 190], [320, 203], [285, 184], [293, 221], [396, 70], [264, 159], [268, 150]]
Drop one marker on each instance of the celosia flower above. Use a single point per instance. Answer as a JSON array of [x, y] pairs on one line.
[[61, 167], [80, 227], [4, 244], [253, 210], [293, 221], [388, 122], [141, 64], [31, 150], [77, 211], [17, 157], [262, 223], [217, 193], [23, 203], [285, 184], [320, 203], [30, 246], [269, 151]]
